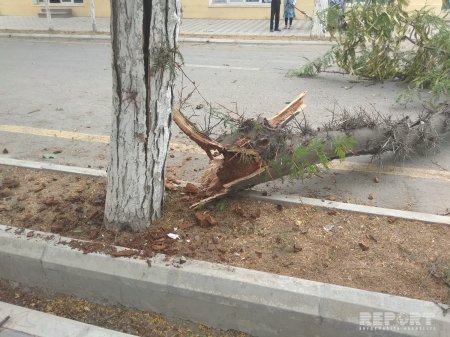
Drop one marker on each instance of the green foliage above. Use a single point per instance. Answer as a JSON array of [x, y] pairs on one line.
[[302, 158], [380, 40], [342, 145], [166, 58], [312, 68], [215, 118], [220, 205]]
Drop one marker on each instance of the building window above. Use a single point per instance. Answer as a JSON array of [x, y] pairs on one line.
[[233, 2], [62, 1]]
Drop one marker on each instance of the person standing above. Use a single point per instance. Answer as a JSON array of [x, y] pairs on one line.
[[289, 13], [275, 15]]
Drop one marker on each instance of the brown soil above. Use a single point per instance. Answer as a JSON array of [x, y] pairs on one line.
[[110, 317], [389, 255]]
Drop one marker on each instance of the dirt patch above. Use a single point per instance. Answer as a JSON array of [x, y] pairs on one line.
[[388, 255], [110, 317]]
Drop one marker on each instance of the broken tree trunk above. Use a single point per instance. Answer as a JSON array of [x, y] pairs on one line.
[[266, 149]]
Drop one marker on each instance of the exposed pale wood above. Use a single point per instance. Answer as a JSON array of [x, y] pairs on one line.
[[202, 140], [289, 112]]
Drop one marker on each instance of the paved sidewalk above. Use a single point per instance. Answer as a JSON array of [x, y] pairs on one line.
[[189, 27]]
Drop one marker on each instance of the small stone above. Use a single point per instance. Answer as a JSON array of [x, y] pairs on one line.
[[329, 228], [363, 246], [297, 249]]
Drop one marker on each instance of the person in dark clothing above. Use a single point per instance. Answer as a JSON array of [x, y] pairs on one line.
[[275, 15]]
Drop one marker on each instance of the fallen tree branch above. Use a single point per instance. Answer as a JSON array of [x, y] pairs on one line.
[[265, 149], [202, 140]]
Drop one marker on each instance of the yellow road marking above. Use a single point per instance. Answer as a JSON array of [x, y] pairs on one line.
[[85, 137], [55, 133], [177, 147], [392, 170]]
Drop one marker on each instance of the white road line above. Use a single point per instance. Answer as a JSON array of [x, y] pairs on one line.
[[220, 67]]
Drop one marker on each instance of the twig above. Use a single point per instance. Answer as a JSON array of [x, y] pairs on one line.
[[441, 167], [4, 320], [303, 12], [447, 212]]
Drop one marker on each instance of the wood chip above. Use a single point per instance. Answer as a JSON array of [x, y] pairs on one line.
[[205, 219], [185, 226], [169, 186], [191, 188], [363, 246], [50, 201], [125, 252]]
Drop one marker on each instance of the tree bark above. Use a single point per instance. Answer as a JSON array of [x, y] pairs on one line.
[[265, 149], [318, 30], [93, 18], [144, 34]]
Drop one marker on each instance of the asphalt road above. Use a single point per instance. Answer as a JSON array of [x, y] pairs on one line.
[[55, 96]]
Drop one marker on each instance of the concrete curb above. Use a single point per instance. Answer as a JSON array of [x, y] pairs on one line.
[[51, 167], [296, 200], [260, 40], [282, 199], [25, 322], [220, 296], [57, 36]]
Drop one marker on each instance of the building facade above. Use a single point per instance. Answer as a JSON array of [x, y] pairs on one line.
[[193, 9]]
